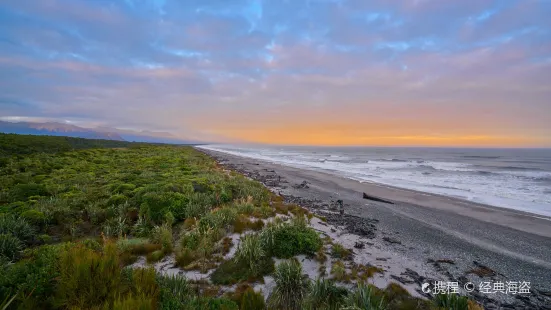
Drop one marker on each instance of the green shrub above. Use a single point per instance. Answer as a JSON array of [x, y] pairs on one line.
[[155, 256], [252, 300], [210, 303], [17, 227], [10, 246], [22, 192], [116, 200], [185, 256], [46, 239], [229, 272], [155, 205], [33, 277], [92, 244], [190, 240], [123, 188], [291, 286], [88, 278], [290, 240], [162, 235], [34, 217]]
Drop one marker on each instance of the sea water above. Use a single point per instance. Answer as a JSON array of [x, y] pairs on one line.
[[517, 179]]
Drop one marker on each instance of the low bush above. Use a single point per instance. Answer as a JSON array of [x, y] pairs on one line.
[[210, 303], [21, 192], [34, 217], [252, 300], [184, 257], [87, 278], [155, 256], [230, 272], [291, 240], [162, 235], [244, 206], [190, 223]]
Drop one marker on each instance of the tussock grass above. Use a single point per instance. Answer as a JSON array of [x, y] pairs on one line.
[[340, 252], [325, 295], [291, 286], [250, 252]]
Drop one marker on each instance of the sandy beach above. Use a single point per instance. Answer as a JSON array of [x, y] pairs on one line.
[[421, 237]]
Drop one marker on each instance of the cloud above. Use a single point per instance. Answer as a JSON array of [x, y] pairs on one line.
[[248, 69]]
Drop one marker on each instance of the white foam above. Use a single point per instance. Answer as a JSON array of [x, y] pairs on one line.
[[517, 190]]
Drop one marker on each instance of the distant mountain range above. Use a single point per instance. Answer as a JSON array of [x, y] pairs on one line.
[[68, 130]]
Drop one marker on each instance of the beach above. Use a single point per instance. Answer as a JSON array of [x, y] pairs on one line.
[[420, 237]]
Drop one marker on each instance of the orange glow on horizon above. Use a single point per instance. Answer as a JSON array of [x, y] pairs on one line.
[[328, 137]]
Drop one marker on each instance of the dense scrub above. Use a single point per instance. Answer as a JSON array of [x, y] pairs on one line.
[[74, 213], [59, 195]]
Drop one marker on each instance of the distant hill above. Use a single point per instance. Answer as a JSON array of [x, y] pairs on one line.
[[105, 133], [56, 129], [16, 144]]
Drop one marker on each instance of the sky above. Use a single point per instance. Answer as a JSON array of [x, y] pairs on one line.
[[323, 72]]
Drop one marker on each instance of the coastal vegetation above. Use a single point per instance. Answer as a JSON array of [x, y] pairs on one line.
[[83, 224]]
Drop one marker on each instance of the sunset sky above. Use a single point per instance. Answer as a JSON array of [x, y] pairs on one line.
[[330, 72]]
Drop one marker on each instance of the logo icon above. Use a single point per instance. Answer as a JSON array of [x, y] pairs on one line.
[[469, 287], [425, 287]]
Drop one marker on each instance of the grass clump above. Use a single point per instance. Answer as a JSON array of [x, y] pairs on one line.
[[451, 301], [340, 252], [17, 227], [252, 300], [88, 278], [338, 270], [291, 286], [10, 247], [365, 297], [163, 235], [326, 295], [175, 290], [250, 252]]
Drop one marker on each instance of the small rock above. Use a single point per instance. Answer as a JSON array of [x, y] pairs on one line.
[[359, 245], [391, 240]]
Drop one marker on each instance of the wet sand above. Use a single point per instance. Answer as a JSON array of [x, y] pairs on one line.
[[425, 230]]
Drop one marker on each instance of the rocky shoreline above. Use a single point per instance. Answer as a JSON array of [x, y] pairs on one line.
[[387, 249]]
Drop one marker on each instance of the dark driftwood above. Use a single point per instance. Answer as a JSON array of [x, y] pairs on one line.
[[369, 197]]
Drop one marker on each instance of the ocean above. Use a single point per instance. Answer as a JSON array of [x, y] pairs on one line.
[[517, 179]]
